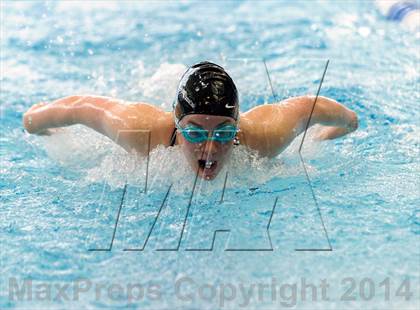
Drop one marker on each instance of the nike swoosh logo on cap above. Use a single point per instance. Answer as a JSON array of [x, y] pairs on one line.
[[229, 106]]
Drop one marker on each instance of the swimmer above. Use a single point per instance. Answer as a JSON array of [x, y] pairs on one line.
[[205, 120]]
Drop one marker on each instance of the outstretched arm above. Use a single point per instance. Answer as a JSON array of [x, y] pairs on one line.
[[41, 117], [337, 120], [271, 128], [127, 124]]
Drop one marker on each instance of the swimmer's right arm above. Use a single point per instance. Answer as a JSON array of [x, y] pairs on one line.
[[125, 123], [86, 110]]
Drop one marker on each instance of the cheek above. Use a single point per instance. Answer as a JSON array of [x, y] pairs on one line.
[[191, 149], [227, 148], [225, 151]]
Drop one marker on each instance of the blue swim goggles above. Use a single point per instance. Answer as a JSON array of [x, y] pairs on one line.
[[195, 134]]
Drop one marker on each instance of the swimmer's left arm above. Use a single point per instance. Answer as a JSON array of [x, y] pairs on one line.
[[271, 128], [336, 118]]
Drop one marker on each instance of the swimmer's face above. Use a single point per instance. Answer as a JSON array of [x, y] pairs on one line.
[[209, 156]]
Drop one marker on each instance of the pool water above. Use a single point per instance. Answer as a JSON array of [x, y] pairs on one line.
[[77, 210]]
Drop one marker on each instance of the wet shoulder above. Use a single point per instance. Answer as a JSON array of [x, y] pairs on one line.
[[259, 128], [149, 118]]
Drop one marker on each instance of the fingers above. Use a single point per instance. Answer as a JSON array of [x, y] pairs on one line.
[[354, 122], [30, 118]]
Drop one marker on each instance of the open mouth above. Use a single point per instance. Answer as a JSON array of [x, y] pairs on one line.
[[207, 165]]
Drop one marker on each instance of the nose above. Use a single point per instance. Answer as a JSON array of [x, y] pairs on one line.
[[211, 147]]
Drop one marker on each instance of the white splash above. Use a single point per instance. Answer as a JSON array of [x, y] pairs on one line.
[[162, 85], [100, 160]]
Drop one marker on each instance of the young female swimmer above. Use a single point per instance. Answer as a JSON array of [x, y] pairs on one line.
[[205, 121]]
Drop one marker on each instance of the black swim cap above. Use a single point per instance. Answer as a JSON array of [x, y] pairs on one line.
[[206, 88]]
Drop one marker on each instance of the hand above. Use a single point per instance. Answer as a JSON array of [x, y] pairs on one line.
[[28, 121], [331, 132]]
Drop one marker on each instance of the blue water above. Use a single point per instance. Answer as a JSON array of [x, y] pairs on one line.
[[60, 195]]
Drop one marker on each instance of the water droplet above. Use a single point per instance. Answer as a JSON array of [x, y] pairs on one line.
[[364, 31]]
